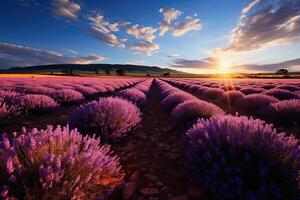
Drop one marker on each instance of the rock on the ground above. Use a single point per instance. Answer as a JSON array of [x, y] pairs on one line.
[[148, 192], [151, 177], [182, 197], [135, 176], [129, 190]]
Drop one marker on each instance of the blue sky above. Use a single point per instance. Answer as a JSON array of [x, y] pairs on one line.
[[194, 36]]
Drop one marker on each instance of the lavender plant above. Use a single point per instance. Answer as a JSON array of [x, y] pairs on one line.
[[134, 95], [56, 164], [66, 96], [281, 94], [35, 103], [189, 111], [111, 118], [243, 158], [171, 101]]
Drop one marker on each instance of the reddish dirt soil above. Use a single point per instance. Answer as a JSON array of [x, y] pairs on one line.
[[152, 155]]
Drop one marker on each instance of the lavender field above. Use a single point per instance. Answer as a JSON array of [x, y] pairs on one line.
[[149, 138]]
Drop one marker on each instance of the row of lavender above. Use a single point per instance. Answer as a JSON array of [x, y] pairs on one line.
[[274, 101], [62, 163], [233, 157], [23, 95]]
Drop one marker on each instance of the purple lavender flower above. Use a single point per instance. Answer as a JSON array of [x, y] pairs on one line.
[[253, 102], [281, 94], [231, 98], [288, 110], [212, 94], [64, 164], [36, 103], [171, 101], [134, 95], [189, 111], [111, 118], [251, 90], [288, 87], [243, 158], [66, 96]]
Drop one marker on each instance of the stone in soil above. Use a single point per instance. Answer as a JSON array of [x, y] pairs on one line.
[[182, 197], [129, 190], [148, 192]]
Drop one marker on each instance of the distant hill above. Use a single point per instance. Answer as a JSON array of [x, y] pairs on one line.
[[130, 69]]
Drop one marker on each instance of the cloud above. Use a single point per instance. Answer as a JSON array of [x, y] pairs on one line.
[[72, 51], [189, 24], [206, 63], [65, 8], [141, 32], [250, 5], [178, 28], [103, 30], [169, 14], [12, 55], [145, 47], [213, 63], [266, 23], [289, 64], [173, 55]]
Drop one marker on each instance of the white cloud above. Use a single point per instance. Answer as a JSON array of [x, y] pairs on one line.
[[178, 28], [103, 30], [270, 23], [65, 8], [145, 47], [170, 14], [250, 6], [141, 32], [189, 24], [12, 55]]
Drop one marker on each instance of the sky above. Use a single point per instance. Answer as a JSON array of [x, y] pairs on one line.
[[197, 36]]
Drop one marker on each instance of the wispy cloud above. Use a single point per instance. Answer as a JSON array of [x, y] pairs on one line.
[[145, 47], [172, 55], [289, 64], [65, 8], [169, 15], [178, 27], [103, 30], [12, 55], [266, 23], [189, 24], [206, 63], [141, 32], [213, 63], [72, 51]]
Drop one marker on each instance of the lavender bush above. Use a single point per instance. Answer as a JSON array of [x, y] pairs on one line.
[[56, 164], [288, 110], [110, 118], [212, 94], [189, 111], [253, 102], [133, 95], [66, 96], [174, 99], [4, 109], [243, 158], [288, 87], [251, 90], [35, 103], [231, 98], [281, 94]]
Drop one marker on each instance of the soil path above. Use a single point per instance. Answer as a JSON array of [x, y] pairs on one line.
[[152, 155]]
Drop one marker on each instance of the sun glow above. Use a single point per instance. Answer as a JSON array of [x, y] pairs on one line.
[[224, 65]]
